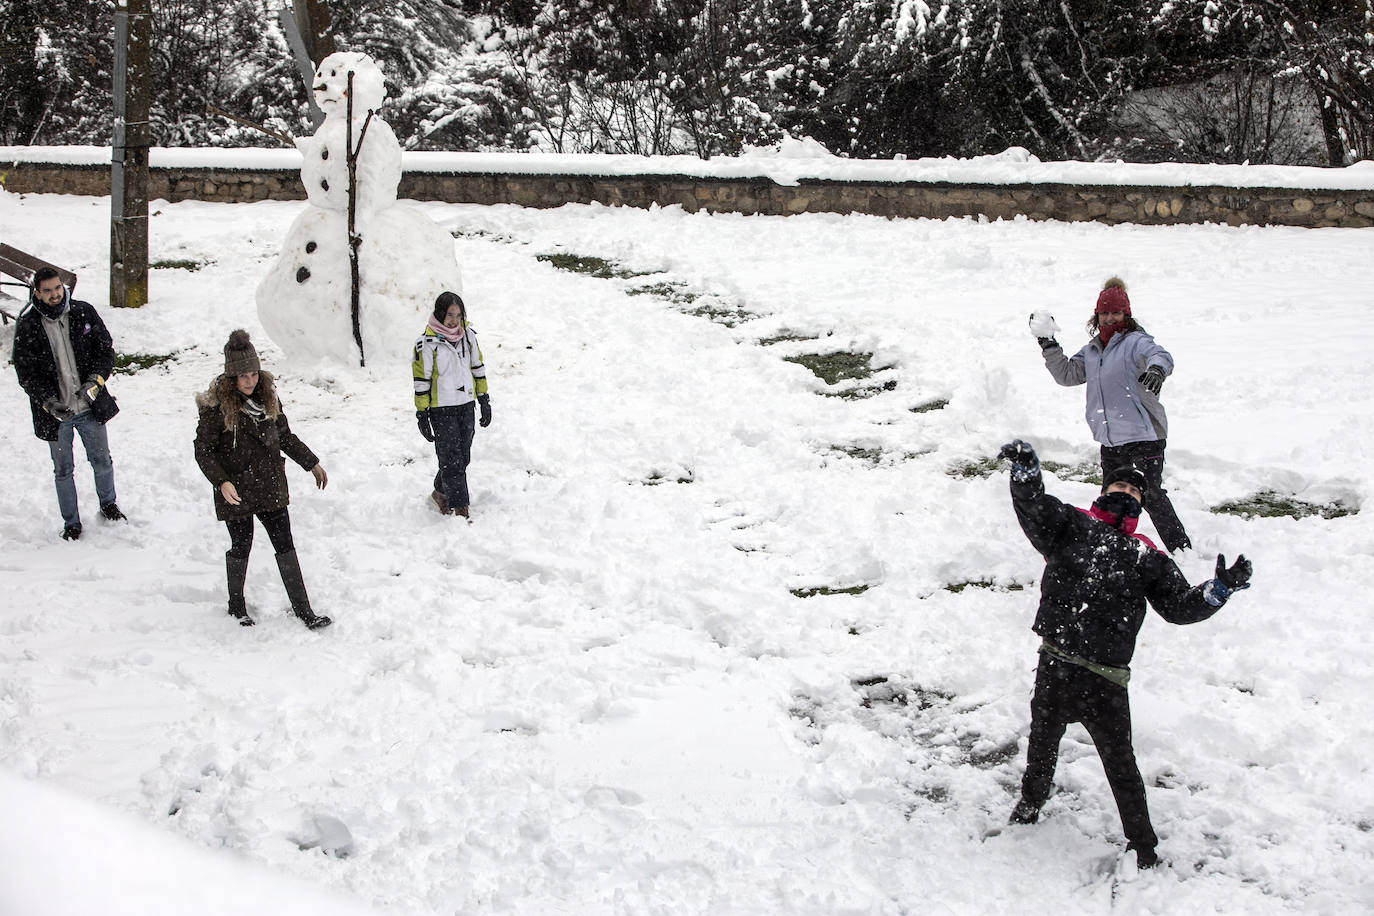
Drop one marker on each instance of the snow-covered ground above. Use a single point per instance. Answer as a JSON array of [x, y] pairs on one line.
[[603, 695]]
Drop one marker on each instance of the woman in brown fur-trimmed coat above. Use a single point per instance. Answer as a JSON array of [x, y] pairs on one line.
[[240, 439]]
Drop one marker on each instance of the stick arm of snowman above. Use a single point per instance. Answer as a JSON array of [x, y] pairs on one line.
[[354, 240]]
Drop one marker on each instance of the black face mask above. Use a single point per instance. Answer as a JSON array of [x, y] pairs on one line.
[[1122, 505]]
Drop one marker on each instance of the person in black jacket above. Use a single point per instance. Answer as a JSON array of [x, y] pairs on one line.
[[63, 356], [1099, 575], [241, 435]]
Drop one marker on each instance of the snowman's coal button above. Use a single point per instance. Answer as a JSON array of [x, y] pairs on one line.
[[303, 274], [324, 183], [310, 247], [324, 153]]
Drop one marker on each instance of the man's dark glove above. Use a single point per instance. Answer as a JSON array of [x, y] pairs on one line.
[[61, 411], [484, 403], [1227, 580], [1018, 451], [1024, 463], [422, 420], [1152, 380], [1238, 576]]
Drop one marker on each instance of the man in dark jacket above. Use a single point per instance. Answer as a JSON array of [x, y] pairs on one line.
[[63, 356], [1099, 574]]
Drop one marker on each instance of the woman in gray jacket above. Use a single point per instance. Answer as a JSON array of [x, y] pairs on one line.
[[1124, 370]]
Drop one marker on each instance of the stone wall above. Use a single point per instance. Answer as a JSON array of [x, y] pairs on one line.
[[1072, 203]]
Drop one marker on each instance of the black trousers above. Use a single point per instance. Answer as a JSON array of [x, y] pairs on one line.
[[1067, 693], [277, 524], [1148, 457], [453, 431]]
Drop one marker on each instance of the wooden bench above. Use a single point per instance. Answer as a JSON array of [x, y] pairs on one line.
[[22, 266]]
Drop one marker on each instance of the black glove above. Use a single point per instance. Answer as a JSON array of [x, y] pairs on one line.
[[1047, 342], [1025, 466], [484, 402], [61, 411], [1019, 452], [1237, 577], [1152, 380], [422, 420]]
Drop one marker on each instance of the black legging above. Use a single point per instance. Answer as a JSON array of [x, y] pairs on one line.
[[1148, 458], [1067, 693], [277, 524]]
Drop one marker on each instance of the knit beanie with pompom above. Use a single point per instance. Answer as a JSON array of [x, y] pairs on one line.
[[1113, 297], [240, 357]]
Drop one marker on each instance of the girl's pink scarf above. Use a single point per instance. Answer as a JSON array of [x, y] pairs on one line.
[[452, 335]]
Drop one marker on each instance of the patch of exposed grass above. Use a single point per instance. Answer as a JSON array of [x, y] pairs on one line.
[[980, 467], [720, 314], [784, 337], [837, 366], [657, 477], [928, 406], [859, 452], [591, 266], [957, 587], [178, 264], [860, 392], [1083, 472], [829, 590], [1272, 504], [676, 293], [129, 363], [881, 691]]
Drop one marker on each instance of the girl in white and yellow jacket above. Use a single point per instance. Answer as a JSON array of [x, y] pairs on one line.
[[450, 379]]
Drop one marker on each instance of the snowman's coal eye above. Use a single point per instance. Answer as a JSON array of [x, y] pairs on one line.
[[310, 248], [302, 275]]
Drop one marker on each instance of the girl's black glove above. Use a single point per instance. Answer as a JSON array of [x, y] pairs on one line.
[[422, 420], [1152, 380]]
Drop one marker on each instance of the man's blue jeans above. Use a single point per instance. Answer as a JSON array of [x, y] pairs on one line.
[[97, 445]]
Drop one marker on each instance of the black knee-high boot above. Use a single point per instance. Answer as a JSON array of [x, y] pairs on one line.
[[236, 571], [290, 568]]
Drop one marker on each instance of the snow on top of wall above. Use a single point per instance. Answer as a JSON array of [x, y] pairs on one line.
[[789, 163]]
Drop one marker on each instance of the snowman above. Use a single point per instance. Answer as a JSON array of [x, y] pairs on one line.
[[405, 260]]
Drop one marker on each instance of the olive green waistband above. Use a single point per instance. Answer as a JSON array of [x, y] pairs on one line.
[[1119, 676]]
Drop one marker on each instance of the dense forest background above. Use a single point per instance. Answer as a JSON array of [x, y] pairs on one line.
[[1283, 81]]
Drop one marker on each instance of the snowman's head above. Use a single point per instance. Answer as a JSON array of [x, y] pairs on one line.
[[331, 84]]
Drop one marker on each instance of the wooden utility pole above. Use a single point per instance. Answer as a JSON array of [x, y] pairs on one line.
[[305, 23], [129, 157], [315, 24]]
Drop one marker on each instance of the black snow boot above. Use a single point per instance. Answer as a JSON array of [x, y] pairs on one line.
[[236, 570], [1024, 813], [290, 568]]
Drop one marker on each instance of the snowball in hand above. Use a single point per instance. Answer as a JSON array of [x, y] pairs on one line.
[[1042, 324]]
